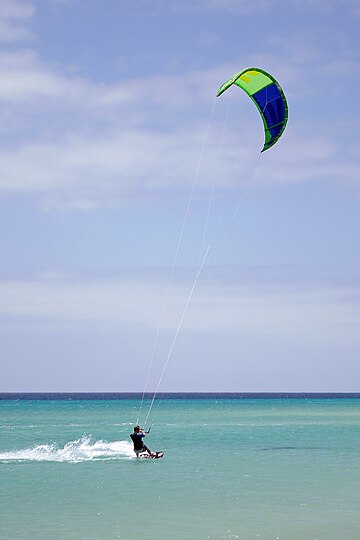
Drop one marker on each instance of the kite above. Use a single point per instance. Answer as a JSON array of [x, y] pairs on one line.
[[269, 98]]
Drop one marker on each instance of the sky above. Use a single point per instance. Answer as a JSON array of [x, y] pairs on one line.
[[140, 227]]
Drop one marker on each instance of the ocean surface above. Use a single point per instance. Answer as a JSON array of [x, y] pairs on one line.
[[236, 466]]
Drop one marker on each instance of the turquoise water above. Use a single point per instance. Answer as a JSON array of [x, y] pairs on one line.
[[286, 469]]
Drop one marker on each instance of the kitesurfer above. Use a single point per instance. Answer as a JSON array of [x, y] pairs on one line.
[[137, 439]]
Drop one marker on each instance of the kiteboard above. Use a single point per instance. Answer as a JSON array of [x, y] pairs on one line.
[[156, 455]]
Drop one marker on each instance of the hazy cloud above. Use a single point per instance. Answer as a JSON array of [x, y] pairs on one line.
[[248, 7], [318, 312], [14, 18]]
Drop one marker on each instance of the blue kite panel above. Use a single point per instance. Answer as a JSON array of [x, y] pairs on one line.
[[271, 102], [275, 131]]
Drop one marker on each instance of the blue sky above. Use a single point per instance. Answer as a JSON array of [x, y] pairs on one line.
[[108, 122]]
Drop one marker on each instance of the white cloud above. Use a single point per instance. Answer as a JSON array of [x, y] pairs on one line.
[[124, 165], [92, 142], [127, 160], [25, 78], [14, 18]]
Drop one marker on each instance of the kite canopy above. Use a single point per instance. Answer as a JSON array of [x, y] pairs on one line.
[[269, 98]]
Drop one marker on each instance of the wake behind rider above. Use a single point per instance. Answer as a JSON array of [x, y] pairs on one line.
[[137, 439]]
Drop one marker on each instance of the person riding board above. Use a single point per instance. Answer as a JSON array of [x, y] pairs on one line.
[[137, 439]]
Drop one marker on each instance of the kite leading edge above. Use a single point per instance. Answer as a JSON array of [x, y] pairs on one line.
[[269, 98]]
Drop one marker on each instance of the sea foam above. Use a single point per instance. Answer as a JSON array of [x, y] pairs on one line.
[[74, 451]]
